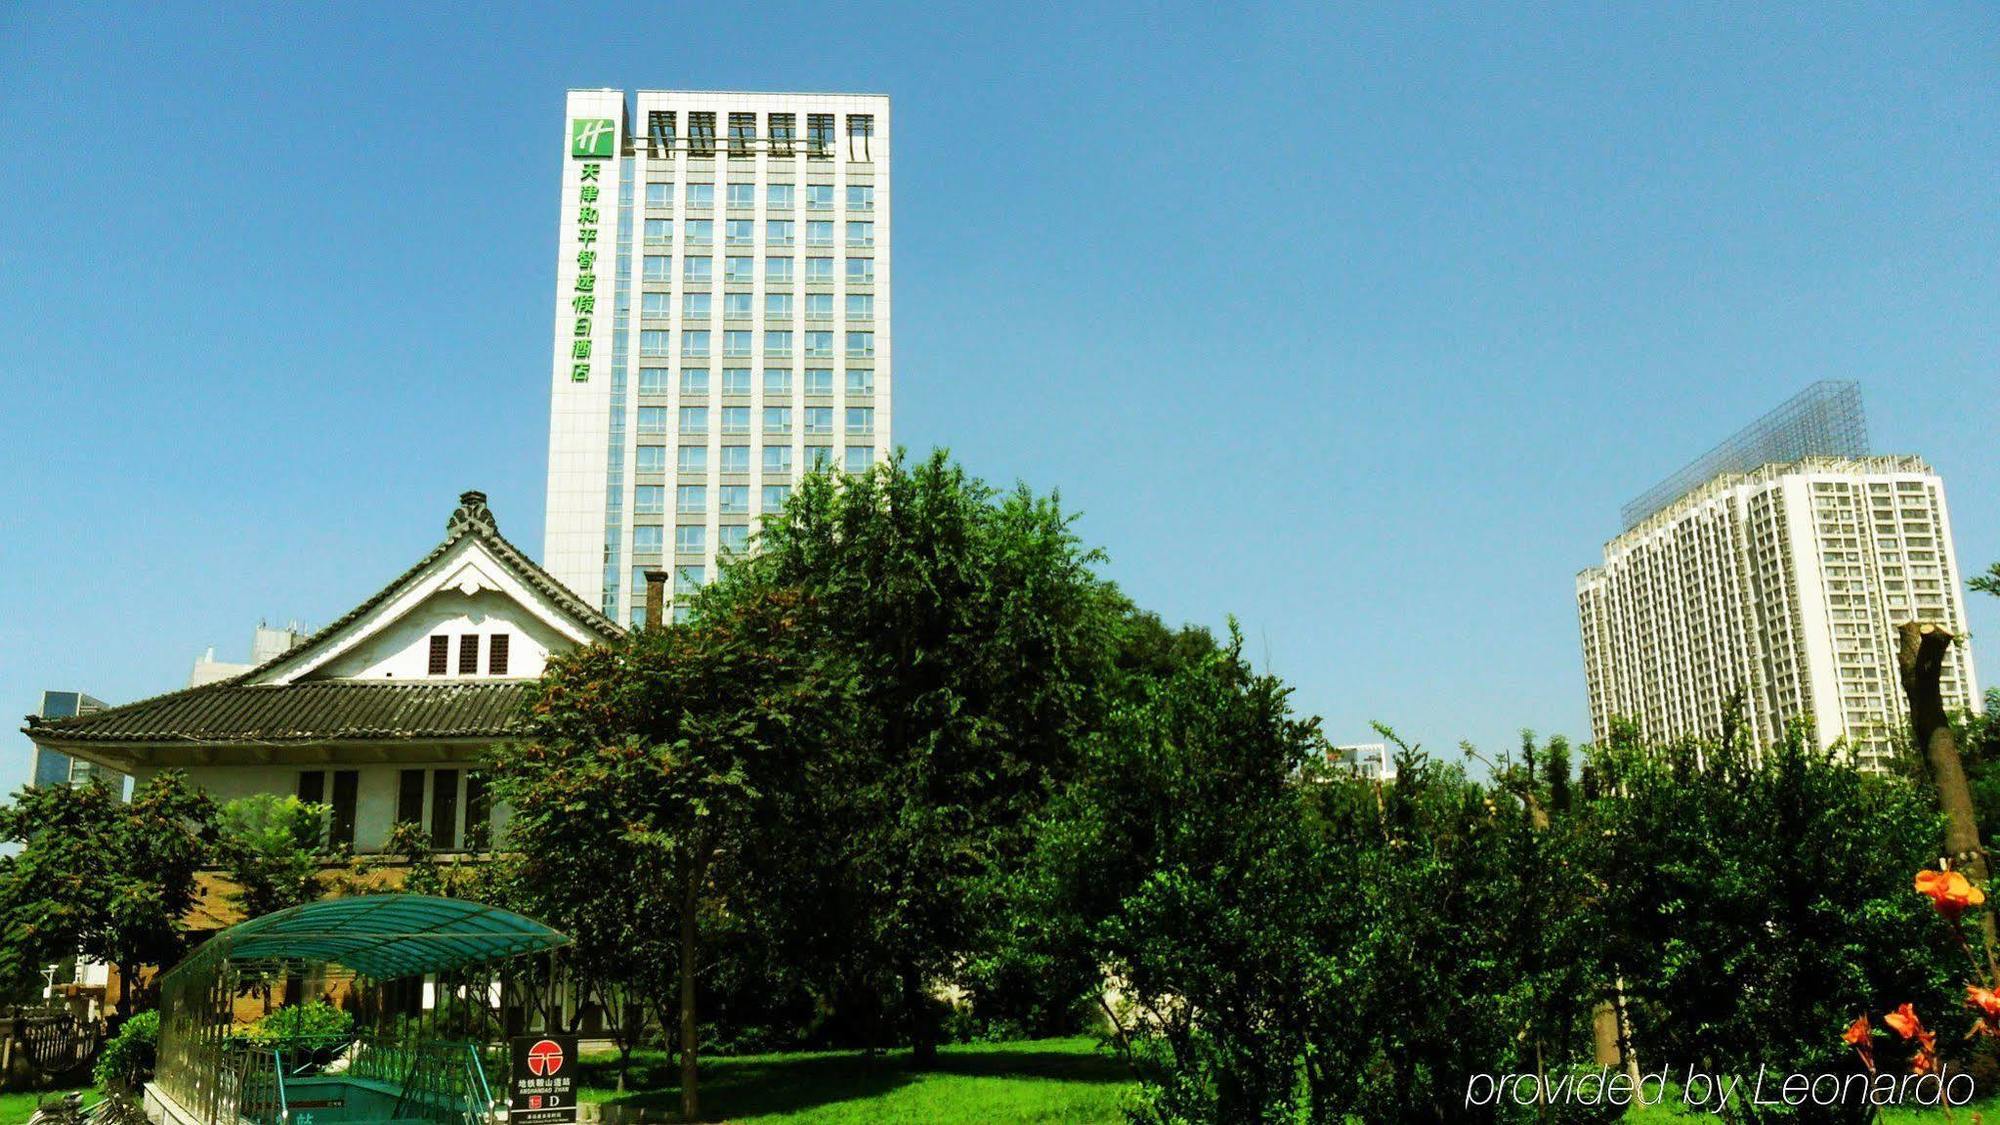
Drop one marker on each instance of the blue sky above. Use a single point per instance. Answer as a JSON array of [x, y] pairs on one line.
[[1359, 325]]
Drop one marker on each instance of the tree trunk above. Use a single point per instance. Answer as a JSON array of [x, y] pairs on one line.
[[923, 1037], [1920, 658], [690, 1094]]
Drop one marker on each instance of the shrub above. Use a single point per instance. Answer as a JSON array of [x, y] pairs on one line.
[[316, 1022], [126, 1061]]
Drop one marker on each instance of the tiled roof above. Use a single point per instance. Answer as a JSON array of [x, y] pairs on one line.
[[306, 711]]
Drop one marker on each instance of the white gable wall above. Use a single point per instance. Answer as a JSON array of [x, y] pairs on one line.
[[400, 650]]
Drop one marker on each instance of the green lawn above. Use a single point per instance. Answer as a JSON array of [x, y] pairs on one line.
[[1047, 1080], [17, 1108]]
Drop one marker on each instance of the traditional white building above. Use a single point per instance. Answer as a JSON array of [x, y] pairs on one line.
[[383, 715]]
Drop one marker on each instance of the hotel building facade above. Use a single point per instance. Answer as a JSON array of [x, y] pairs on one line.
[[721, 322], [1784, 583]]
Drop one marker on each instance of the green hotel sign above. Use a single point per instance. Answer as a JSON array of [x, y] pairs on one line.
[[583, 304], [592, 137]]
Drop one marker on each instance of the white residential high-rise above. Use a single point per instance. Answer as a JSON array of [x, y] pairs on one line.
[[721, 324], [1782, 581]]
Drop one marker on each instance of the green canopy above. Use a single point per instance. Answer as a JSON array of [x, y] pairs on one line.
[[378, 936]]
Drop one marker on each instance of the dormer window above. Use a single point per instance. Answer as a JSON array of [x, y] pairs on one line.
[[496, 655], [440, 655], [468, 655]]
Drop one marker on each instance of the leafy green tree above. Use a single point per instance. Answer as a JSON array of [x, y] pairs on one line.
[[970, 643], [1761, 902], [1180, 859], [101, 878], [271, 848], [634, 794]]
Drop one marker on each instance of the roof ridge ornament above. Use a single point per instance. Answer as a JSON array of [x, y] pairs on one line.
[[472, 514]]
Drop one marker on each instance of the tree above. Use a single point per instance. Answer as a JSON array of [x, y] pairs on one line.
[[971, 645], [1179, 858], [99, 878], [271, 847], [634, 794]]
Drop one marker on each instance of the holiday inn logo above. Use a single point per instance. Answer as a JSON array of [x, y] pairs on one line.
[[592, 136]]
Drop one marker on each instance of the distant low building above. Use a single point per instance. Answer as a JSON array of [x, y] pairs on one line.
[[54, 767], [1371, 761], [266, 644]]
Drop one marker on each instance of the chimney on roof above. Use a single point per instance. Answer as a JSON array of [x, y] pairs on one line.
[[656, 597]]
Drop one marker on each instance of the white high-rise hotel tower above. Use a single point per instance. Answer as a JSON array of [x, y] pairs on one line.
[[721, 324], [1777, 567]]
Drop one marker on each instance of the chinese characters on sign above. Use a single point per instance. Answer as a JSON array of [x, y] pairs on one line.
[[583, 304], [544, 1083]]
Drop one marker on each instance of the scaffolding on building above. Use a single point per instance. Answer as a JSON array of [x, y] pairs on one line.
[[1824, 420]]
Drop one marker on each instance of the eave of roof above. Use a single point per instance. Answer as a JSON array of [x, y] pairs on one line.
[[310, 711]]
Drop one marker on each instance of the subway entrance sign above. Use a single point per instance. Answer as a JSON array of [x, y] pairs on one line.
[[543, 1089]]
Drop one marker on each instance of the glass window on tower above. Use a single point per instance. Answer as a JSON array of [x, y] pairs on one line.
[[736, 380], [736, 306], [694, 460], [819, 197], [860, 197], [659, 232], [735, 458], [690, 539], [777, 306], [694, 343], [819, 345], [743, 195], [653, 380], [654, 343], [777, 381], [819, 232], [740, 271], [656, 306], [741, 232], [778, 271], [694, 380], [698, 271], [659, 195], [687, 579], [656, 267], [858, 457], [691, 499], [701, 232], [646, 539], [649, 499], [694, 419], [818, 457], [819, 306], [733, 499], [701, 195], [694, 306], [819, 380], [819, 269], [777, 459], [652, 419], [778, 344], [775, 496], [860, 381], [861, 306], [861, 271], [778, 232], [735, 419], [732, 539], [777, 420], [651, 459], [780, 197], [735, 343]]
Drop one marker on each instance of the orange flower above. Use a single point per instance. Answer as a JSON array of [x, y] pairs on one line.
[[1857, 1036], [1985, 1000], [1904, 1022], [1949, 891], [1857, 1032]]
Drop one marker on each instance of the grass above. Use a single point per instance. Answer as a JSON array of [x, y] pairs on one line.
[[17, 1108], [1045, 1080]]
